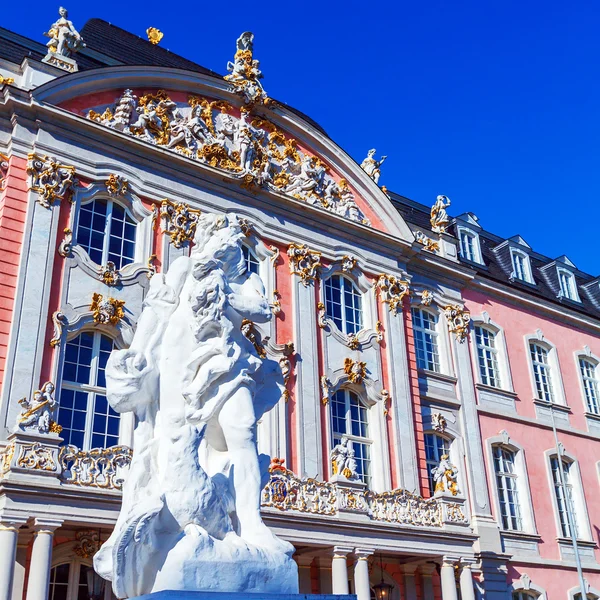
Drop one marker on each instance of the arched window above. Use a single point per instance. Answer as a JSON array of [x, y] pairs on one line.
[[522, 595], [68, 581], [506, 486], [349, 419], [343, 304], [436, 446], [589, 378], [252, 263], [83, 411], [106, 231], [426, 339], [542, 372], [487, 356]]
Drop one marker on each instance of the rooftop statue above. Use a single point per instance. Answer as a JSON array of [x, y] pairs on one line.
[[244, 71], [64, 38], [190, 518], [371, 166], [439, 216]]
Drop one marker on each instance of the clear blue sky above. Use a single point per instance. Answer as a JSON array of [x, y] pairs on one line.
[[495, 104]]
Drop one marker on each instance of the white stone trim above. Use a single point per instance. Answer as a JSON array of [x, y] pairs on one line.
[[524, 584], [590, 591], [555, 371]]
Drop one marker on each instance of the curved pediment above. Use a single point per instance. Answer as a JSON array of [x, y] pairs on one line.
[[202, 118]]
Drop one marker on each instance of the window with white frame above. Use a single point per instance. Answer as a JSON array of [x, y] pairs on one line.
[[506, 486], [523, 595], [426, 339], [68, 581], [436, 446], [521, 266], [469, 245], [589, 379], [542, 373], [343, 304], [568, 288], [487, 356], [107, 232], [563, 494], [252, 263], [349, 418], [83, 410]]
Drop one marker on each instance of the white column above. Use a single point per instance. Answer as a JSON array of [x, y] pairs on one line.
[[20, 564], [362, 585], [467, 591], [427, 575], [304, 577], [447, 578], [339, 570], [41, 559], [410, 587], [9, 533]]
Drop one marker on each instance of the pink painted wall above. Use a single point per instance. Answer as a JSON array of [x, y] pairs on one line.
[[536, 439]]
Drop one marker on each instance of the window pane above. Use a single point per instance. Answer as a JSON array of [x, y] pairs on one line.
[[252, 263], [426, 339], [436, 446], [487, 356], [590, 385]]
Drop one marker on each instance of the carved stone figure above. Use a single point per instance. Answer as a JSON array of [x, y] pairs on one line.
[[64, 38], [371, 166], [192, 130], [125, 112], [343, 462], [190, 517], [439, 216], [244, 71], [36, 415], [445, 477]]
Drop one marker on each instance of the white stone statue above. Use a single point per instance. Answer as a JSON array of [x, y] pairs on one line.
[[64, 38], [439, 216], [36, 415], [190, 517], [343, 462], [372, 166], [445, 476]]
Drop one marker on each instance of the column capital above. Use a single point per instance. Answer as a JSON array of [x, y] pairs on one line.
[[450, 560], [427, 569], [363, 553], [466, 562], [410, 570], [42, 525], [12, 522], [342, 551], [304, 560]]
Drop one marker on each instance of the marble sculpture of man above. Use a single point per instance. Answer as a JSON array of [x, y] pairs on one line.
[[190, 518]]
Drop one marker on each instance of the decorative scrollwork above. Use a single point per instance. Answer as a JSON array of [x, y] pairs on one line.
[[88, 543], [151, 266], [392, 291], [428, 244], [285, 364], [6, 80], [304, 262], [325, 390], [36, 457], [180, 221], [100, 468], [379, 331], [66, 244], [110, 274], [154, 35], [276, 302], [6, 456], [438, 422], [3, 166], [426, 297], [59, 320], [322, 315], [386, 398], [250, 332], [50, 179], [348, 264], [355, 370], [116, 185], [106, 311], [458, 321]]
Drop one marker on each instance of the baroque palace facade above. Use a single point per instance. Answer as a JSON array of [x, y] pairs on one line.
[[425, 359]]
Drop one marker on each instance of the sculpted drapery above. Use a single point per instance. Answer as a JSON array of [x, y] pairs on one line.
[[190, 518]]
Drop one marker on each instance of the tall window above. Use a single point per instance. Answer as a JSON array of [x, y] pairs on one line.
[[541, 372], [521, 268], [435, 447], [59, 582], [487, 356], [589, 376], [506, 482], [563, 494], [107, 232], [468, 246], [252, 264], [343, 304], [567, 284], [83, 411], [426, 339], [349, 418]]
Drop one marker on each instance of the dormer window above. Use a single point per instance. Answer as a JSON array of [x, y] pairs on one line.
[[568, 287], [521, 266], [469, 245]]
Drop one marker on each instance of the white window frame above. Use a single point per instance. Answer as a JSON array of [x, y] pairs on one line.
[[436, 334], [593, 360], [523, 487], [524, 585], [527, 272], [345, 281], [474, 236], [591, 593], [584, 532], [251, 258], [559, 396], [571, 292]]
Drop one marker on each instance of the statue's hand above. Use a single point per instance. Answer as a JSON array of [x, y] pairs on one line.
[[125, 371]]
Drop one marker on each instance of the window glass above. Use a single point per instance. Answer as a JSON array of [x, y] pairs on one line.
[[520, 266], [487, 356], [563, 493], [520, 595], [343, 304], [436, 446], [468, 246], [506, 483], [59, 582], [83, 411], [252, 263], [567, 284], [426, 339], [589, 376], [541, 372]]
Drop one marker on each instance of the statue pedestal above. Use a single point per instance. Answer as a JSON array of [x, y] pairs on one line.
[[62, 62], [175, 595]]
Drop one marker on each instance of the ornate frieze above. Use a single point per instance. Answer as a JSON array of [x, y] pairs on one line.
[[249, 148], [50, 179], [458, 321], [66, 244], [304, 262], [355, 370], [371, 166], [428, 244], [36, 414], [116, 185], [391, 291], [99, 468], [180, 221], [88, 543], [36, 457], [154, 35], [250, 332], [439, 217], [3, 166], [106, 311]]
